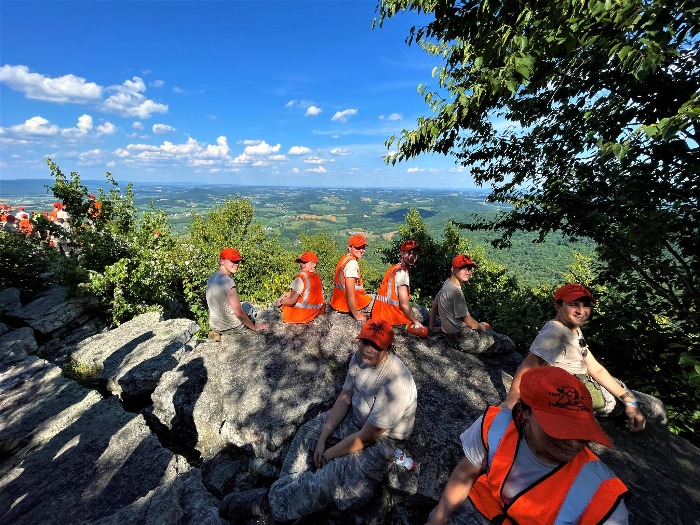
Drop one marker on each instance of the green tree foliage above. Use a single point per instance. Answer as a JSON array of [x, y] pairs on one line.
[[492, 294], [584, 117], [268, 268], [23, 263]]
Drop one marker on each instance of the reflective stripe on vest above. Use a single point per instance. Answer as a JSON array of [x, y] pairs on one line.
[[582, 491], [339, 280], [304, 303], [387, 291]]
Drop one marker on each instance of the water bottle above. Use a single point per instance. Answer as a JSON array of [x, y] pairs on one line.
[[402, 459], [421, 332]]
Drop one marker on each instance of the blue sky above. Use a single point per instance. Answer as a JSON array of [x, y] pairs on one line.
[[289, 92]]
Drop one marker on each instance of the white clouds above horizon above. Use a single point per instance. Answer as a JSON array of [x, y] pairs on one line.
[[65, 89], [312, 111], [344, 116], [298, 150], [162, 129], [391, 117], [40, 127], [126, 99]]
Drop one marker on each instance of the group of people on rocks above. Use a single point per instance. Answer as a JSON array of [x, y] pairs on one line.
[[36, 225], [526, 461]]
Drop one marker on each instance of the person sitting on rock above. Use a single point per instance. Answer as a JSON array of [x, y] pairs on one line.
[[561, 343], [304, 300], [348, 291], [463, 332], [531, 465], [392, 302], [226, 312], [341, 455]]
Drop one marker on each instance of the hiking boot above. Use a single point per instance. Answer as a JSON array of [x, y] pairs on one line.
[[251, 503], [215, 336]]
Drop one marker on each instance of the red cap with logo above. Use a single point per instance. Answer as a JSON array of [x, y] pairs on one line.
[[379, 332], [307, 257], [572, 292], [410, 245], [562, 404], [463, 260], [357, 240], [231, 254]]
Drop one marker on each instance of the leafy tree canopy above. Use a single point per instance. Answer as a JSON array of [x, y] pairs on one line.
[[584, 117]]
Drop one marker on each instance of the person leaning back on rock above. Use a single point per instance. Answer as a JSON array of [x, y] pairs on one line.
[[226, 312]]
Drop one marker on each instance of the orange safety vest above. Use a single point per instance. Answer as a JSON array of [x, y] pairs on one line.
[[310, 303], [583, 491], [386, 305], [338, 300], [25, 226]]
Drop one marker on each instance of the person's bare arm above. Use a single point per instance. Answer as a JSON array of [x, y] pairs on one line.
[[456, 491], [350, 297], [405, 305], [636, 419], [473, 323], [433, 314], [530, 361], [364, 437], [239, 312], [288, 299]]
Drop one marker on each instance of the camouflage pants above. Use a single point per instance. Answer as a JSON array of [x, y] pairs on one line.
[[474, 342], [347, 481]]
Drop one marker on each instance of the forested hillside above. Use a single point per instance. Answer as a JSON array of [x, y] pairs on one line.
[[132, 261]]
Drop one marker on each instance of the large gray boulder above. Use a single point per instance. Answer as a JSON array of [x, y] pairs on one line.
[[131, 358], [20, 340], [83, 459], [9, 301], [52, 312]]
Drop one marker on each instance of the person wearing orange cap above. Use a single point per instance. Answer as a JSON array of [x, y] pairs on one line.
[[10, 225], [304, 300], [341, 455], [349, 294], [561, 343], [226, 312], [392, 302], [531, 465], [450, 315]]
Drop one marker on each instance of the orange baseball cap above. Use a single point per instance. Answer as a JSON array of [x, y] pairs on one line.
[[357, 240], [231, 254], [562, 404], [379, 332], [307, 257], [410, 245], [463, 260], [572, 292]]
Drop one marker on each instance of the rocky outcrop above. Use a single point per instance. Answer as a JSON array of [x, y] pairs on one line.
[[84, 459], [131, 358], [231, 408]]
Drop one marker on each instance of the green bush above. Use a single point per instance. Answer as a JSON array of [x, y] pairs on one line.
[[22, 264]]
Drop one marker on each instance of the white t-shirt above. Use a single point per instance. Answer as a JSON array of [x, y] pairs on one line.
[[352, 269], [385, 395]]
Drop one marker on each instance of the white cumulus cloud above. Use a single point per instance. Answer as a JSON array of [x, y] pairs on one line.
[[298, 150], [67, 88], [128, 100], [344, 116], [162, 129], [314, 160], [320, 169], [392, 116], [312, 111], [36, 126], [339, 151]]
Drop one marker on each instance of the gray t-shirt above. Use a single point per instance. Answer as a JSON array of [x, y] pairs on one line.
[[561, 347], [384, 395], [452, 308], [221, 316], [527, 469]]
